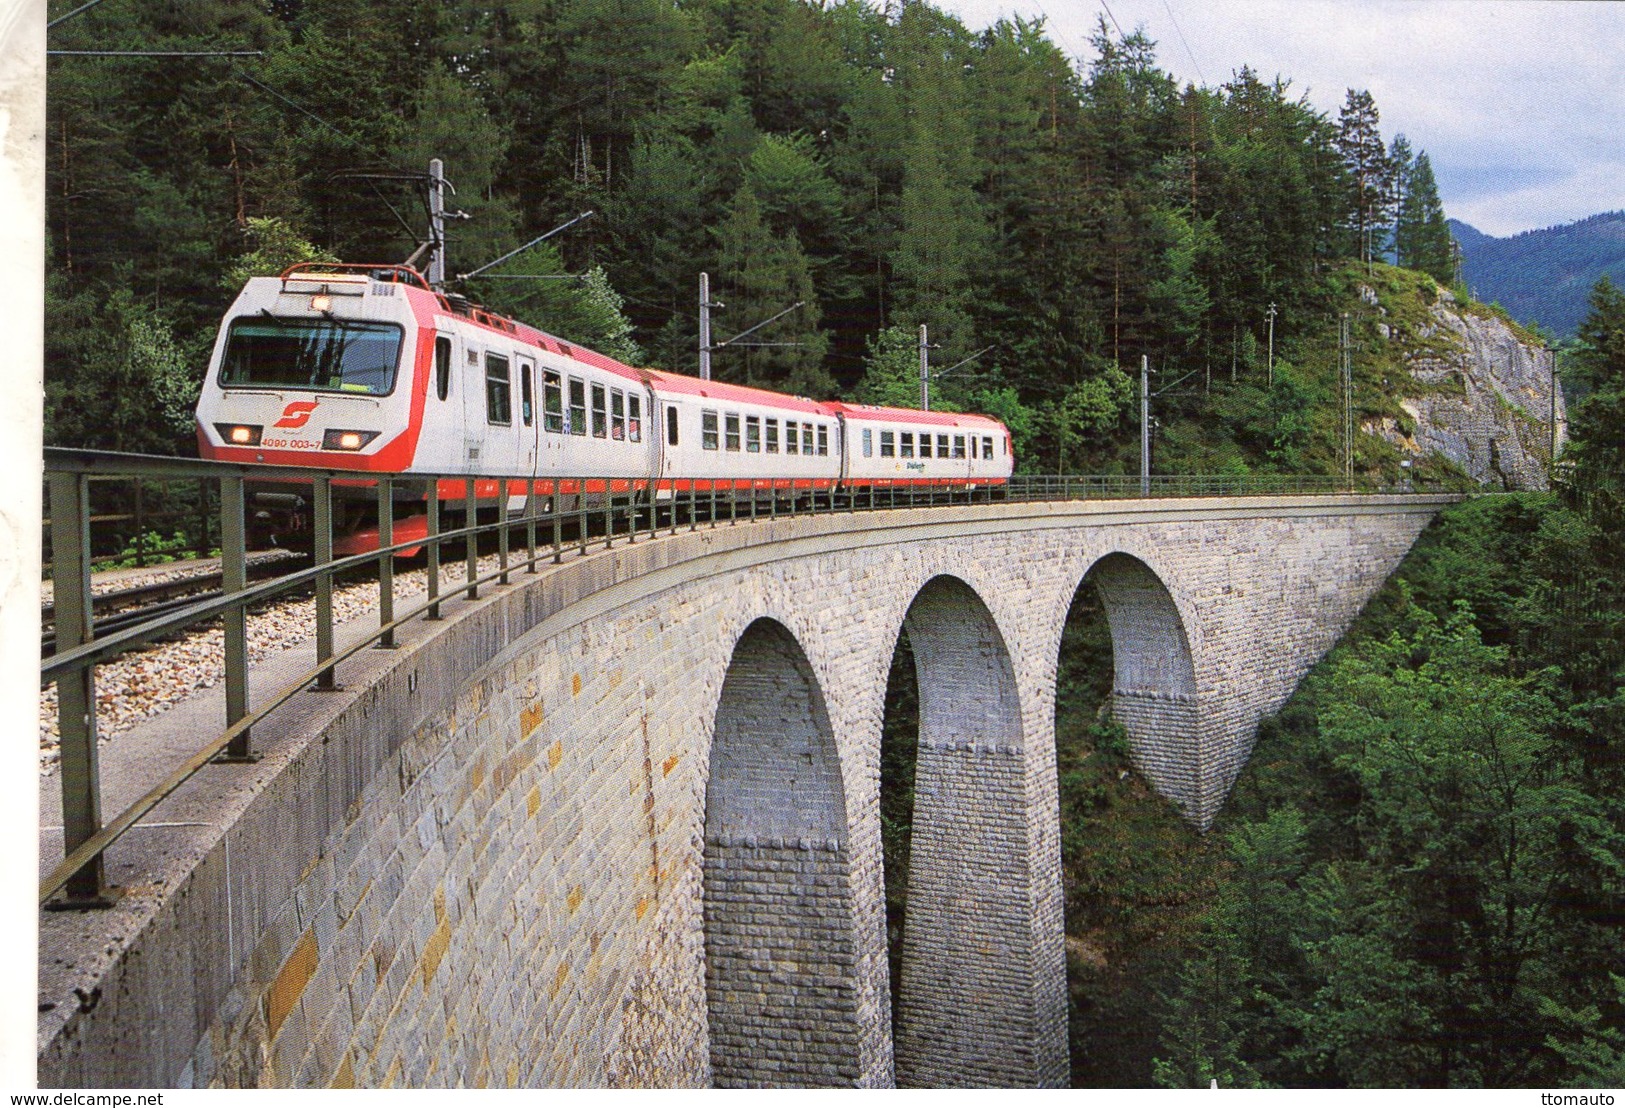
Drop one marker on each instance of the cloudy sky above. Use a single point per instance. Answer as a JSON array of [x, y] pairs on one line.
[[1520, 104]]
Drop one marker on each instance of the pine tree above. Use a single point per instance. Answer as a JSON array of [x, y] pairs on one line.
[[761, 274], [1421, 234], [1360, 143]]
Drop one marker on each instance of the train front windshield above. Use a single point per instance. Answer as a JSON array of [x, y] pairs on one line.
[[320, 354]]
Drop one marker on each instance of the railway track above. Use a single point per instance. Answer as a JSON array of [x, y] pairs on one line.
[[125, 607]]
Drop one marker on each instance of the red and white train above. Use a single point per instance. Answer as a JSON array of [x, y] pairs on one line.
[[363, 367]]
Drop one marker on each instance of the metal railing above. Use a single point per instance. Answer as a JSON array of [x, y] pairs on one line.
[[556, 518]]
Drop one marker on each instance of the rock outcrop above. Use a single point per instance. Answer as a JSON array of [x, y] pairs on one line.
[[1484, 401]]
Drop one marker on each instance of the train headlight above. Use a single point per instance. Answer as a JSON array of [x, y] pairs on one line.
[[347, 440], [321, 302], [239, 434]]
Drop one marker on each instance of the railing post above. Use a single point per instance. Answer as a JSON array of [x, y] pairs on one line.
[[609, 514], [233, 579], [471, 541], [502, 532], [532, 498], [386, 562], [432, 561], [76, 693], [581, 513], [140, 523], [322, 521], [558, 524]]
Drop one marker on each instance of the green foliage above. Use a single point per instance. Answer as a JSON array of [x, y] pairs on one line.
[[885, 164], [276, 245], [148, 549]]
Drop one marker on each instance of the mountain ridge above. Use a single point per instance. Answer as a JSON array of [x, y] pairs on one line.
[[1543, 277]]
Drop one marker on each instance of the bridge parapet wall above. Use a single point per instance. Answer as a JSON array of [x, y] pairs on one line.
[[488, 867]]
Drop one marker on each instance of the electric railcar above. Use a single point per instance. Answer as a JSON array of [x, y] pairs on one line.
[[365, 367]]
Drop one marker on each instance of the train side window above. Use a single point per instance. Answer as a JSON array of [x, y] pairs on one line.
[[772, 436], [708, 430], [987, 447], [634, 417], [973, 453], [526, 397], [888, 444], [442, 366], [905, 447], [753, 434], [600, 417], [959, 446], [577, 424], [552, 402], [942, 446], [823, 437], [671, 424], [730, 430], [617, 415], [792, 444], [498, 390], [868, 442], [925, 446]]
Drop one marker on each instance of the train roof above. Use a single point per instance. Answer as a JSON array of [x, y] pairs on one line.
[[910, 415], [417, 288], [724, 391]]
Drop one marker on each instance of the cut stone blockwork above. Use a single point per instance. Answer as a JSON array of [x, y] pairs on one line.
[[780, 952], [618, 823], [967, 1012]]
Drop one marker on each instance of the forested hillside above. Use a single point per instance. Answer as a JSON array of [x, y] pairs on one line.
[[884, 163], [1419, 879], [1542, 277]]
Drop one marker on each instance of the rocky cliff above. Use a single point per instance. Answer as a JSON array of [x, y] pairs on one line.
[[1480, 396]]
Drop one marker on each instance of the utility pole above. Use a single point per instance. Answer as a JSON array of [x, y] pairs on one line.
[[1145, 425], [705, 326], [1271, 363], [1552, 476], [925, 372], [1346, 365], [437, 224]]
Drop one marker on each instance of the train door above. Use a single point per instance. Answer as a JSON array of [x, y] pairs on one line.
[[474, 427], [527, 425]]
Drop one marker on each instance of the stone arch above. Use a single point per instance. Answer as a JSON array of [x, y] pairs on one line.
[[781, 964], [971, 1008], [1154, 691]]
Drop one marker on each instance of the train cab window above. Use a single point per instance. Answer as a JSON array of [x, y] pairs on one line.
[[772, 430], [617, 415], [634, 418], [753, 434], [905, 445], [577, 424], [925, 446], [498, 390], [671, 424], [942, 446], [959, 446], [868, 443], [792, 444], [442, 366], [888, 444], [987, 447], [600, 417], [552, 402], [823, 437], [708, 430], [730, 430], [526, 398]]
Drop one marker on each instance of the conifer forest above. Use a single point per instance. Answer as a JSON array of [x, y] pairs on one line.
[[1420, 878]]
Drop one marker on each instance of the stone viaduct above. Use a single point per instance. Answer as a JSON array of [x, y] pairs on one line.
[[616, 823]]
